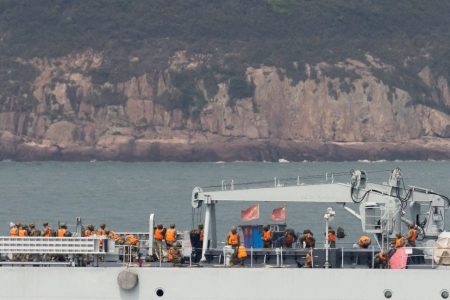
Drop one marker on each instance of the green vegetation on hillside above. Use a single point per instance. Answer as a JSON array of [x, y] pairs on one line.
[[236, 34]]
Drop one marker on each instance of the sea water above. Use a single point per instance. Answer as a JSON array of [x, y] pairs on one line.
[[122, 195]]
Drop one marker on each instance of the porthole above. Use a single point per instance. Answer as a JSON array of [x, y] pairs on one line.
[[387, 294], [444, 294], [159, 292]]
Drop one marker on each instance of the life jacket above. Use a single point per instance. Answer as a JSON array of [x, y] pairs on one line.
[[132, 239], [114, 235], [158, 234], [170, 235], [400, 242], [87, 232], [13, 231], [172, 253], [241, 252], [413, 235], [61, 232], [48, 232], [201, 235], [331, 236], [22, 232], [233, 239], [267, 236], [364, 240]]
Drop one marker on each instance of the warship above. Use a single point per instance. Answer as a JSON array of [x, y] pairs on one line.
[[96, 267]]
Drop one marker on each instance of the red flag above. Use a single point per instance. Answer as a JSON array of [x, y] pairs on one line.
[[279, 214], [251, 213]]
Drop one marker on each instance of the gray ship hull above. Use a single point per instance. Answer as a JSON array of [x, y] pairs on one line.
[[222, 283]]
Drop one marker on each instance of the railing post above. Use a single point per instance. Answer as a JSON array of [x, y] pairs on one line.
[[432, 259], [251, 257], [342, 258], [281, 257], [373, 257], [312, 258]]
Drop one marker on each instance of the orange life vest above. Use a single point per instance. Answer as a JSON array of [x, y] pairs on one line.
[[61, 232], [331, 236], [114, 235], [132, 239], [267, 236], [48, 232], [170, 235], [22, 232], [13, 231], [233, 239], [158, 234], [364, 240], [400, 242], [172, 253], [413, 235], [241, 252]]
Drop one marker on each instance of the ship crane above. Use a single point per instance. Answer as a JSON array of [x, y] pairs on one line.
[[381, 206]]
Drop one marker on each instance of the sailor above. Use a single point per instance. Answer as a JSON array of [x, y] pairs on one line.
[[239, 256], [364, 242], [267, 237], [47, 232], [13, 229], [233, 237], [400, 241], [88, 231], [381, 260], [411, 236], [101, 230], [131, 239], [23, 230], [307, 240], [194, 236], [289, 238], [158, 236], [63, 231], [34, 231], [331, 238], [171, 235], [174, 254], [114, 235]]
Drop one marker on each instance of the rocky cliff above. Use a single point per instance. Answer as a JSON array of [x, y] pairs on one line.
[[192, 106]]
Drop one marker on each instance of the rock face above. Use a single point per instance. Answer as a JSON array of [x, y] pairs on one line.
[[340, 111]]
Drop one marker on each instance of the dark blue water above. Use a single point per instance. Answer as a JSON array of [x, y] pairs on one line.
[[122, 195]]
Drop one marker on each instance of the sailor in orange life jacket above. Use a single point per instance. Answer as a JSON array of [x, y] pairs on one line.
[[174, 254], [113, 235], [47, 232], [331, 237], [171, 236], [233, 237], [23, 230], [267, 237], [364, 242], [131, 239], [399, 241], [13, 229], [158, 237], [239, 256], [412, 235], [63, 231]]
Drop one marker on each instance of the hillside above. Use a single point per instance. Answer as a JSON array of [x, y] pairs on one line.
[[224, 80]]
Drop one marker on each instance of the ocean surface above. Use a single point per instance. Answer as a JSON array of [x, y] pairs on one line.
[[122, 195]]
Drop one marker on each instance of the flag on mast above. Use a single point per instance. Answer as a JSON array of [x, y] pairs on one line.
[[279, 214], [251, 213]]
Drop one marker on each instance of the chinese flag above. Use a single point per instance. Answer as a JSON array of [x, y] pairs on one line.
[[279, 214], [251, 213]]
